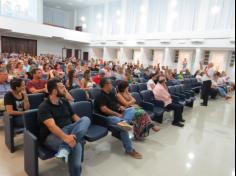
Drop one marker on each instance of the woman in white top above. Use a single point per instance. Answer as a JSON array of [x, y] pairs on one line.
[[151, 83]]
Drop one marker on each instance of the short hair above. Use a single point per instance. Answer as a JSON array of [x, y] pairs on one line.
[[34, 71], [52, 84], [103, 82], [122, 86], [15, 82]]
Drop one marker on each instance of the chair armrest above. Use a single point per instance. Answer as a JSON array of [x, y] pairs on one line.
[[147, 106], [9, 132], [180, 95], [159, 103], [30, 153], [100, 119]]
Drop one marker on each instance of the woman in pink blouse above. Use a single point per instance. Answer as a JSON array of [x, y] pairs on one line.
[[161, 93]]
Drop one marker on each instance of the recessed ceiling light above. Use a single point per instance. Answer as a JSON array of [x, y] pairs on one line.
[[99, 16], [191, 156], [83, 18], [84, 26], [118, 12], [174, 3], [188, 165], [143, 9], [215, 10]]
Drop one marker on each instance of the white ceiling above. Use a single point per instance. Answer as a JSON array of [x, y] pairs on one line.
[[72, 4]]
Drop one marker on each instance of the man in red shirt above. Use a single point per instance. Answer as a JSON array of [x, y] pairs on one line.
[[98, 77], [36, 85]]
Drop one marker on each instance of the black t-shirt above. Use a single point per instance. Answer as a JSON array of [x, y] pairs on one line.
[[62, 114], [18, 104], [109, 100]]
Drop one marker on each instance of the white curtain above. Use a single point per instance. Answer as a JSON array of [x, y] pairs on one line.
[[186, 16], [225, 19], [21, 9], [153, 16], [58, 17], [157, 16]]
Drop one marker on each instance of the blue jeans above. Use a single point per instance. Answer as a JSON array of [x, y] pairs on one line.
[[129, 115], [79, 129], [222, 91]]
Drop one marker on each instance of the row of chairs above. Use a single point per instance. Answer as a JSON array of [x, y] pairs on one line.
[[33, 150]]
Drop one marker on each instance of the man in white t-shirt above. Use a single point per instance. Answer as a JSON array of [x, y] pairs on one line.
[[207, 83]]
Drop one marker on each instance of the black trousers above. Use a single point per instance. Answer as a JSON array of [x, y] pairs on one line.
[[178, 111], [206, 91]]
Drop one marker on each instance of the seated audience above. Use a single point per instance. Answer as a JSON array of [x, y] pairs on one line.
[[87, 82], [73, 80], [107, 105], [61, 130], [161, 93], [16, 101], [218, 84], [143, 122], [36, 85]]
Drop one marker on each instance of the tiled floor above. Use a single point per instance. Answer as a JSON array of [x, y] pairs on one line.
[[205, 147]]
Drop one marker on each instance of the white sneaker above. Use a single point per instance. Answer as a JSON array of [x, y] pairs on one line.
[[63, 154]]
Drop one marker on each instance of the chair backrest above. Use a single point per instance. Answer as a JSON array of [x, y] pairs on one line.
[[142, 87], [178, 88], [171, 89], [136, 80], [35, 100], [142, 80], [78, 95], [138, 98], [83, 108], [133, 88], [31, 121], [147, 96], [93, 93]]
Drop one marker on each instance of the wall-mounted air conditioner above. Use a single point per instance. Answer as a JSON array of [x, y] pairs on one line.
[[140, 42], [232, 41], [165, 42], [197, 41]]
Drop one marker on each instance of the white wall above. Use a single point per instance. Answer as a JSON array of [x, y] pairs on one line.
[[220, 60], [158, 57], [36, 29], [110, 54], [96, 53], [50, 46]]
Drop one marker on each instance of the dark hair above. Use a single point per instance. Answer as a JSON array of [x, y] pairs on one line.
[[15, 82], [34, 71], [152, 75], [158, 78], [103, 82], [122, 86], [70, 78], [86, 73], [52, 84]]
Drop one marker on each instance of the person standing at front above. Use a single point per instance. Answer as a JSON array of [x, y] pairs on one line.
[[207, 83]]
